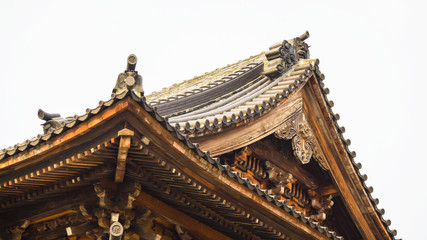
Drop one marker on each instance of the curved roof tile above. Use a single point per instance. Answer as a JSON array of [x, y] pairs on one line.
[[200, 82], [253, 100]]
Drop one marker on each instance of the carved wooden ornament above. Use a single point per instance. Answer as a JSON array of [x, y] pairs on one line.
[[304, 144]]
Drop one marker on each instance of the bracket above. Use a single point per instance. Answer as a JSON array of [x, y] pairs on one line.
[[124, 145]]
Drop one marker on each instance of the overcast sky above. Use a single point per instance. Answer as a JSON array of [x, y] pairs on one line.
[[65, 57]]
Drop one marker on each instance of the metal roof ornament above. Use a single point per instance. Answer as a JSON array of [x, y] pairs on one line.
[[129, 80]]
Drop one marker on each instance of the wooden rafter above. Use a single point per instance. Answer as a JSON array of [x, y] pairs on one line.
[[124, 145], [197, 228]]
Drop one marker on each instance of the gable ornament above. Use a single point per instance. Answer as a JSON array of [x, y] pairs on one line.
[[304, 144], [129, 80]]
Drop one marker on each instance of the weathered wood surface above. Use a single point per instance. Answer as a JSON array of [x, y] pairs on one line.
[[166, 146], [329, 190], [124, 145], [267, 152], [341, 169], [196, 228], [48, 208], [86, 131], [243, 135]]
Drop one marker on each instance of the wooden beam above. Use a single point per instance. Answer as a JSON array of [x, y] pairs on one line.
[[242, 135], [44, 210], [163, 144], [196, 228], [124, 145], [329, 190], [102, 122], [267, 152], [57, 215], [341, 169]]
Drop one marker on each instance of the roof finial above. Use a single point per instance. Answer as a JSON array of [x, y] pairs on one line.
[[129, 80]]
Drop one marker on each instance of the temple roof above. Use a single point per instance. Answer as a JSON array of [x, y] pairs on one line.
[[224, 98], [80, 161]]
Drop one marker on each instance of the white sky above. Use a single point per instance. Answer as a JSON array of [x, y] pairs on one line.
[[65, 57]]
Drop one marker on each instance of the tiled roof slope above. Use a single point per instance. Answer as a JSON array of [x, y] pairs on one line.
[[220, 89], [237, 92], [197, 83], [253, 100]]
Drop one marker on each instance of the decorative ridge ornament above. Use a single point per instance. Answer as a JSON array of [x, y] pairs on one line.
[[301, 46], [282, 56], [304, 144], [129, 80], [53, 120]]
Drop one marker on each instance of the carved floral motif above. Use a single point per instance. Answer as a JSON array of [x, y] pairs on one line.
[[287, 132], [304, 144]]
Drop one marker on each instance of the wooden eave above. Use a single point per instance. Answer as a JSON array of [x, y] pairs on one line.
[[67, 137], [157, 153], [310, 100], [167, 144], [342, 170], [163, 143], [233, 138]]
